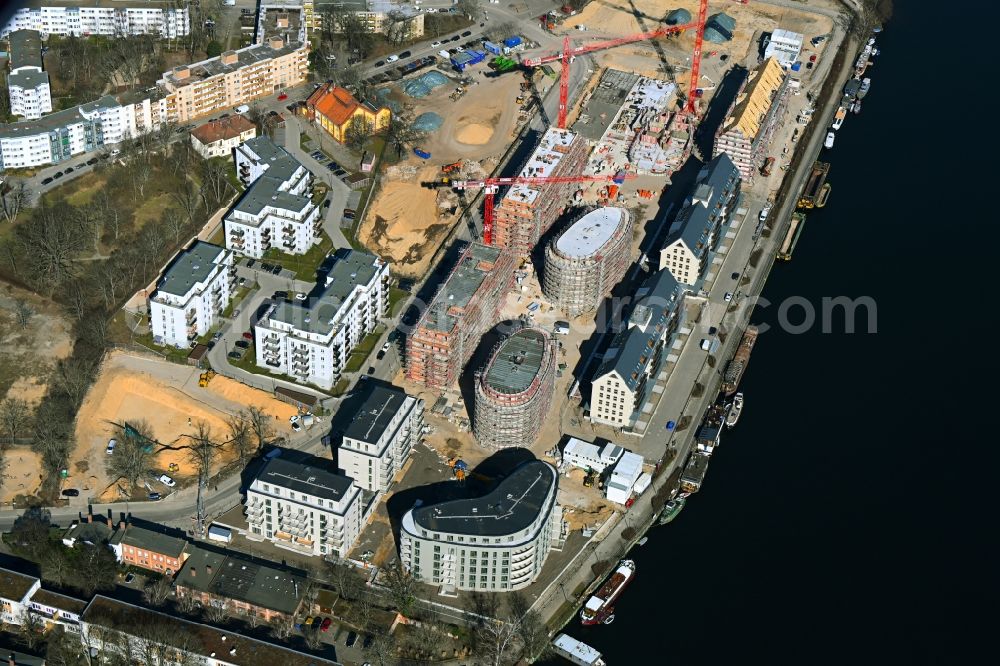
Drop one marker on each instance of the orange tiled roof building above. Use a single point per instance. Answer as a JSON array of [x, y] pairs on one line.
[[334, 109]]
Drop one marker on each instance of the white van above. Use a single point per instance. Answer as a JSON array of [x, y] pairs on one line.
[[242, 108], [706, 344], [392, 58], [444, 54]]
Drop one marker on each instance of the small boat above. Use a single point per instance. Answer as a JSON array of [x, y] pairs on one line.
[[838, 118], [866, 85], [643, 540], [824, 194], [830, 138], [576, 652], [599, 606], [672, 508], [857, 106], [735, 410]]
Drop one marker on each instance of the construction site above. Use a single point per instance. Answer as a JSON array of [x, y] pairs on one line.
[[514, 389], [168, 398]]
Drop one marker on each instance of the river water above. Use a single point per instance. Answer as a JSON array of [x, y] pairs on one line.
[[838, 521]]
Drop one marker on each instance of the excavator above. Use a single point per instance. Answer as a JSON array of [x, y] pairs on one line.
[[205, 378]]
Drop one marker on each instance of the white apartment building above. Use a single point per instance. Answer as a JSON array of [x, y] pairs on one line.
[[377, 16], [27, 83], [219, 138], [83, 18], [297, 503], [15, 592], [578, 453], [311, 340], [192, 294], [385, 425], [277, 209], [785, 46], [698, 227], [497, 542], [58, 136], [234, 78], [637, 353]]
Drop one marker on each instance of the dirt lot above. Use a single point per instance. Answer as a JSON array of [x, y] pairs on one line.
[[406, 221], [22, 475], [27, 355], [166, 395], [614, 18]]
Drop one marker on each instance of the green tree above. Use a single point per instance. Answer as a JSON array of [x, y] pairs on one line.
[[213, 49]]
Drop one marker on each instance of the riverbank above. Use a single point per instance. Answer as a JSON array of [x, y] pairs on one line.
[[559, 604]]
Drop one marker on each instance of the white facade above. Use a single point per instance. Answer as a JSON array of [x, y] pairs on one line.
[[277, 209], [86, 128], [377, 443], [579, 453], [15, 592], [498, 542], [682, 263], [30, 96], [615, 401], [304, 507], [192, 294], [161, 18], [623, 477], [785, 46], [311, 341], [216, 140]]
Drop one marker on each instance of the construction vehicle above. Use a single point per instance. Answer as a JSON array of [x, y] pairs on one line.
[[520, 100], [454, 166], [205, 378]]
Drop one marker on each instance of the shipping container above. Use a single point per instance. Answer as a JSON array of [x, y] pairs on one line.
[[511, 42], [492, 48]]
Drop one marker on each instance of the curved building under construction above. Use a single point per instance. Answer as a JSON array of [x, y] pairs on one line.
[[514, 389], [587, 259]]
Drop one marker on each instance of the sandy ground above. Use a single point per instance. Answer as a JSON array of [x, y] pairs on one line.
[[27, 355], [22, 476], [167, 396], [405, 223]]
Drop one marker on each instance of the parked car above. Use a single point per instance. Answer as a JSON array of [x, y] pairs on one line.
[[92, 161], [210, 344], [235, 355], [405, 54], [339, 173], [379, 356], [70, 492], [380, 63], [242, 344], [326, 204], [391, 59], [280, 295], [266, 267], [309, 621], [167, 481], [251, 263], [300, 297], [68, 170], [326, 624], [236, 313], [729, 296], [296, 426], [248, 335], [455, 38], [57, 174], [154, 497], [276, 269], [129, 577], [367, 642], [466, 33], [46, 181], [735, 276], [111, 446], [217, 336], [352, 638], [282, 97], [434, 45], [371, 369], [242, 282]]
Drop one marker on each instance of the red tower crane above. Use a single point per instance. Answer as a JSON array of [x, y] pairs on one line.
[[699, 37], [491, 185], [568, 53]]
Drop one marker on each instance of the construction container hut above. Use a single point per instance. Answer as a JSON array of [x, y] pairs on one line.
[[678, 17], [719, 28]]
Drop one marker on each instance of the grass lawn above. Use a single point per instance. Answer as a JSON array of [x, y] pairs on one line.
[[219, 237], [305, 143], [151, 209], [396, 296], [241, 293], [304, 265], [249, 363], [81, 190], [364, 349]]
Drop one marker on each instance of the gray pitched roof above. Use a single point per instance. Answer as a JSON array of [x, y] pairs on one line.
[[696, 223], [632, 348], [266, 190], [29, 79], [25, 49]]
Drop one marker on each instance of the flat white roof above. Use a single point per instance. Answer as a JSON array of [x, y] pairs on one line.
[[542, 163], [581, 650], [628, 469], [591, 232], [787, 35]]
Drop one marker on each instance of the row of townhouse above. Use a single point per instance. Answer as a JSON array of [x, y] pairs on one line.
[[184, 93], [114, 630], [86, 128], [83, 18], [27, 83]]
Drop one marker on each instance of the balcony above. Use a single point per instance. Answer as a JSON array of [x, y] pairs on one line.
[[288, 245]]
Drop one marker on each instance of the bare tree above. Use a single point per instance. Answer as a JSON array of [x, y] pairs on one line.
[[281, 627], [217, 613], [422, 641], [358, 133], [189, 200], [51, 239], [215, 183], [202, 452], [156, 593], [345, 578], [382, 649], [133, 452], [75, 375], [14, 198], [31, 629], [471, 8], [402, 132], [260, 423], [241, 435], [402, 586], [24, 312], [313, 639], [173, 222], [14, 414]]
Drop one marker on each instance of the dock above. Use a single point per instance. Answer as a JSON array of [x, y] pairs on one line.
[[792, 237]]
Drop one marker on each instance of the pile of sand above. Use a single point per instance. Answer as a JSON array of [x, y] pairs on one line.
[[22, 475], [474, 134]]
